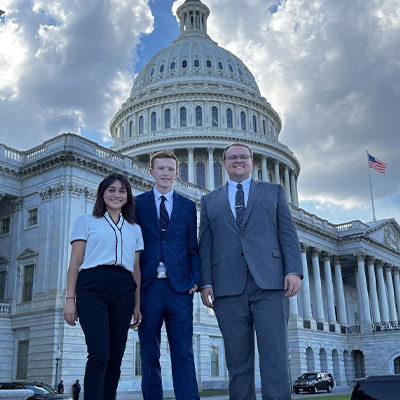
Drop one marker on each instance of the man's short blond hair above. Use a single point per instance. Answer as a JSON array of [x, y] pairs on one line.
[[237, 144], [164, 154]]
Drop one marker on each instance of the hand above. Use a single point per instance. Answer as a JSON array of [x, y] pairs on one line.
[[137, 318], [292, 284], [70, 313], [207, 297], [194, 289]]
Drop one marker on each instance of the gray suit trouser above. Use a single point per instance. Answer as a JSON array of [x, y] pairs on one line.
[[266, 312]]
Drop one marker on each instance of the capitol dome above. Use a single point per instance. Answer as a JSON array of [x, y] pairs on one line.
[[194, 98]]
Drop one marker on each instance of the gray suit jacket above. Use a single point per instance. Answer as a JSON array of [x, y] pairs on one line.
[[268, 242]]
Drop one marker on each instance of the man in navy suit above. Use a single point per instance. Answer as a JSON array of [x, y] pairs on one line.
[[170, 268]]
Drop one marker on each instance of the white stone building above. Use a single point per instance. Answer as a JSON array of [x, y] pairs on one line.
[[194, 98]]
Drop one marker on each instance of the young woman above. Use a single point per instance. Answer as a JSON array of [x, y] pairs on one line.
[[103, 284]]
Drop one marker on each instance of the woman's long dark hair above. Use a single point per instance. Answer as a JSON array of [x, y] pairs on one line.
[[128, 210]]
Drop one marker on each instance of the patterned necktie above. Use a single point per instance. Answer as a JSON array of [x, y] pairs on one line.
[[239, 205], [164, 217]]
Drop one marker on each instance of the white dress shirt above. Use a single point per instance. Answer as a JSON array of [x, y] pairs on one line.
[[232, 189]]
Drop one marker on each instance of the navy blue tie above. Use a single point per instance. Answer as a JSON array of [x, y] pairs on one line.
[[164, 217], [239, 205]]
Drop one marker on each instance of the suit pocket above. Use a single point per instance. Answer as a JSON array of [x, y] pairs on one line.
[[276, 253], [214, 261]]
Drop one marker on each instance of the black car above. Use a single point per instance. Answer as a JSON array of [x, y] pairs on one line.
[[41, 391], [314, 382], [377, 387]]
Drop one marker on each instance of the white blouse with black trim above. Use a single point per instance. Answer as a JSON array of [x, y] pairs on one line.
[[107, 243]]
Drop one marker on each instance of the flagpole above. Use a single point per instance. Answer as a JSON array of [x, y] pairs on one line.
[[370, 187]]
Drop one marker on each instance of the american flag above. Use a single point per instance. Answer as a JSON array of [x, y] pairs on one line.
[[376, 164]]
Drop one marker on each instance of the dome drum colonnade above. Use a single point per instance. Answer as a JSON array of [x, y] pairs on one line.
[[378, 296], [195, 98]]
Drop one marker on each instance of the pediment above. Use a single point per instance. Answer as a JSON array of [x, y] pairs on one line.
[[28, 253], [387, 233]]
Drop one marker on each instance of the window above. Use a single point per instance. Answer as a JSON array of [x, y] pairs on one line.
[[184, 64], [196, 63], [254, 124], [152, 72], [167, 118], [161, 68], [138, 360], [182, 115], [141, 125], [259, 175], [264, 127], [201, 174], [153, 121], [397, 365], [2, 286], [230, 68], [229, 119], [220, 65], [199, 116], [208, 63], [217, 175], [5, 225], [172, 66], [183, 171], [131, 129], [22, 361], [32, 217], [214, 355], [28, 283], [240, 72], [214, 116], [242, 121]]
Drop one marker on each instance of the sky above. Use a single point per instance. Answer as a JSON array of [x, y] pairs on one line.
[[331, 69]]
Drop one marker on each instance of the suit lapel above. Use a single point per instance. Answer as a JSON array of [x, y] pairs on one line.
[[151, 204], [255, 189], [226, 207], [175, 210]]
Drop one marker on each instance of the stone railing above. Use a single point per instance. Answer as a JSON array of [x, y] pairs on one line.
[[385, 326], [5, 310], [354, 329]]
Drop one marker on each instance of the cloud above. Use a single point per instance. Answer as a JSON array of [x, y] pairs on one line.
[[331, 70], [66, 65]]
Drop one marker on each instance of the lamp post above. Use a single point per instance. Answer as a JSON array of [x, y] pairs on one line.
[[58, 357]]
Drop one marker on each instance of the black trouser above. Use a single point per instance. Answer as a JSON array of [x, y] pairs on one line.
[[105, 298]]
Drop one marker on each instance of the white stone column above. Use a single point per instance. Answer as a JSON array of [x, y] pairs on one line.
[[277, 176], [363, 288], [383, 302], [293, 191], [340, 299], [373, 294], [305, 290], [396, 278], [210, 179], [264, 168], [390, 289], [287, 184], [329, 289], [319, 305], [191, 165]]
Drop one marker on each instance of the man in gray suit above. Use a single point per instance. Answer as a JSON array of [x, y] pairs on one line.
[[250, 265]]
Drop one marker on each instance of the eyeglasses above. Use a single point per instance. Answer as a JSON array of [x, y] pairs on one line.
[[241, 157]]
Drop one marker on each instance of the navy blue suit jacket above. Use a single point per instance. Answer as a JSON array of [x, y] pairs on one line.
[[178, 246]]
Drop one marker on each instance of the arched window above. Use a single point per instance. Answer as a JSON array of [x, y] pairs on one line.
[[229, 118], [153, 121], [214, 116], [131, 129], [141, 125], [254, 124], [184, 64], [201, 174], [199, 116], [172, 65], [397, 365], [217, 174], [242, 121], [208, 64], [182, 117], [183, 171], [196, 63], [167, 118], [264, 127]]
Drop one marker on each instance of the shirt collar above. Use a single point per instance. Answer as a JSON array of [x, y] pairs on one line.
[[245, 183], [168, 195], [107, 216]]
